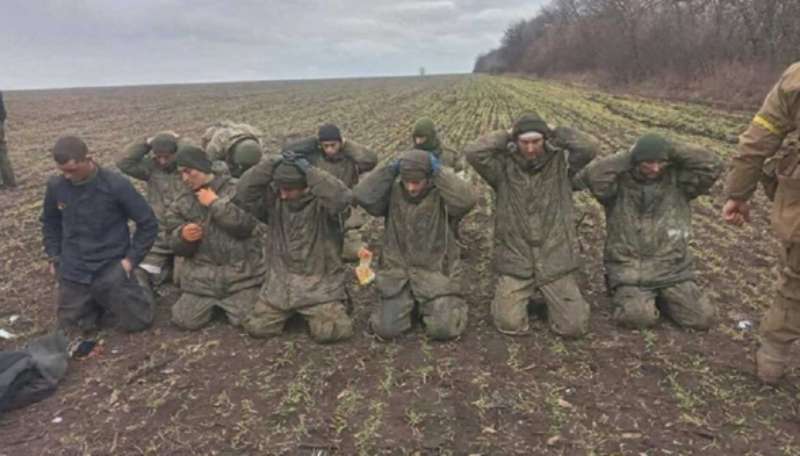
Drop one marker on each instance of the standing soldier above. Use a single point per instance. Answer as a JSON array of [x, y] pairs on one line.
[[646, 193], [420, 259], [237, 145], [224, 259], [424, 137], [345, 160], [85, 228], [530, 169], [303, 206], [7, 179], [153, 160], [778, 116]]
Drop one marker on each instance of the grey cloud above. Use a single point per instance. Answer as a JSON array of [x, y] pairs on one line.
[[56, 43]]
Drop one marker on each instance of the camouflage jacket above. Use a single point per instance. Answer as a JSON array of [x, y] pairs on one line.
[[163, 186], [419, 245], [219, 139], [779, 115], [649, 223], [229, 257], [535, 234], [306, 236]]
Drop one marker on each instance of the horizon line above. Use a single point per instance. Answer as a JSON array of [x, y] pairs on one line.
[[209, 82]]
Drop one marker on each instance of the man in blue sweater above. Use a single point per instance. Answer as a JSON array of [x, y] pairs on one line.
[[85, 228]]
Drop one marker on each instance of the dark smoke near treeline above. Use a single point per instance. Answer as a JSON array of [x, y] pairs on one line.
[[713, 46]]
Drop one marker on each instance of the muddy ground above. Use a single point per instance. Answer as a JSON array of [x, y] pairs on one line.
[[217, 391]]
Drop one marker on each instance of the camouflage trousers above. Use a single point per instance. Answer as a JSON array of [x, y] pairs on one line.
[[353, 240], [113, 296], [780, 325], [327, 322], [567, 310], [193, 311], [159, 261], [7, 178], [684, 303], [444, 317]]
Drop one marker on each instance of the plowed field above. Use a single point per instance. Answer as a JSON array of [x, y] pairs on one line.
[[217, 391]]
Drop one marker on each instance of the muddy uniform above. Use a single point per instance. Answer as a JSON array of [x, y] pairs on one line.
[[7, 178], [221, 140], [225, 268], [352, 160], [420, 258], [536, 242], [649, 222], [305, 274], [163, 187], [85, 230], [778, 116]]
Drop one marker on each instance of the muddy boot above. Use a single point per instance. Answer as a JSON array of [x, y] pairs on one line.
[[771, 362]]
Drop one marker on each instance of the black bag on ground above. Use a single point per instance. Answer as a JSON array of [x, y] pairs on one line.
[[32, 374]]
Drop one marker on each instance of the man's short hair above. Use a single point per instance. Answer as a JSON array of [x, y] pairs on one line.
[[69, 148]]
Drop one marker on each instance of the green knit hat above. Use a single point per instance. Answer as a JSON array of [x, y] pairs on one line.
[[246, 153], [425, 128], [650, 147], [287, 175], [191, 156], [529, 122], [415, 165]]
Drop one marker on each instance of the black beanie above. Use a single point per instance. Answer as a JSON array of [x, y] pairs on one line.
[[193, 157], [530, 122], [329, 132]]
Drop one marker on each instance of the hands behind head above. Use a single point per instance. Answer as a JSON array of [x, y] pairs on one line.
[[299, 160], [149, 139], [436, 164]]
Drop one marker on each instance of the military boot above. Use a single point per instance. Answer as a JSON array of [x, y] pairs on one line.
[[771, 361]]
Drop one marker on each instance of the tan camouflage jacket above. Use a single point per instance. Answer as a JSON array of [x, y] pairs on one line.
[[779, 115]]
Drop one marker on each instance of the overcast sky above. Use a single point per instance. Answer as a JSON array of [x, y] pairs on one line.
[[66, 43]]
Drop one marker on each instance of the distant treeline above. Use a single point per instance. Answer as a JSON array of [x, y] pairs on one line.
[[629, 41]]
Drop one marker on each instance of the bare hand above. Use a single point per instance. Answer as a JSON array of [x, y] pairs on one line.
[[192, 232], [736, 212], [206, 196], [127, 266], [51, 268]]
